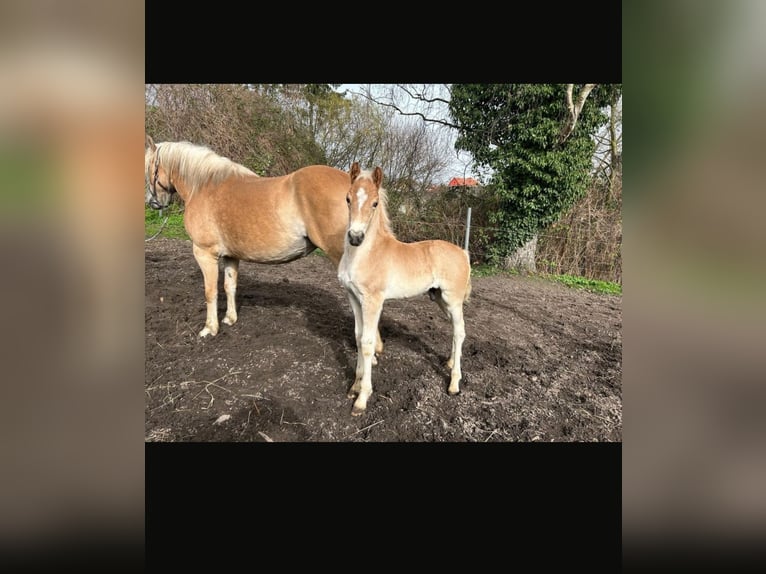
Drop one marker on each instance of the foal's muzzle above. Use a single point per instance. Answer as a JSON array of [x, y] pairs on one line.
[[355, 238]]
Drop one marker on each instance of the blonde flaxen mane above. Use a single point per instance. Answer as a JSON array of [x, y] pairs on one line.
[[196, 164]]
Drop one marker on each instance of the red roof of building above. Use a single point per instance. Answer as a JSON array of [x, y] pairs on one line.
[[457, 181]]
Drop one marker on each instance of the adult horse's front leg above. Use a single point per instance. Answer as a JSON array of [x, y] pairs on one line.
[[230, 272], [208, 263], [371, 308]]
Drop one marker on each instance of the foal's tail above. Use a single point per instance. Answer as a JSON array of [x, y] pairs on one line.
[[435, 293], [468, 284]]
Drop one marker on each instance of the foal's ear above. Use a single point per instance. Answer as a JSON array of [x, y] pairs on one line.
[[377, 176], [354, 170], [149, 142]]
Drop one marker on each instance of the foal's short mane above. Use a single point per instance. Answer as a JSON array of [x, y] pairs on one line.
[[196, 164], [385, 220]]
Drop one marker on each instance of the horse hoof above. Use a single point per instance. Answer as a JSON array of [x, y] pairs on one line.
[[453, 393], [356, 411], [351, 395], [205, 332], [229, 321]]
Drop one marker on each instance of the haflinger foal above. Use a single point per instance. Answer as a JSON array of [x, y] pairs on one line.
[[376, 266]]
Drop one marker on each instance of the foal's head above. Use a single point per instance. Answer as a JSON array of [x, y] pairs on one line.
[[363, 198], [160, 188]]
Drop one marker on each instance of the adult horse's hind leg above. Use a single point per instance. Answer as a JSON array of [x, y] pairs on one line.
[[230, 272], [208, 263]]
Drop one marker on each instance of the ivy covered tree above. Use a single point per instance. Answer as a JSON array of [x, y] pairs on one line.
[[537, 140]]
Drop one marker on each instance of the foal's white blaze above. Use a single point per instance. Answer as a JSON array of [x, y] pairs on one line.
[[359, 224], [361, 197]]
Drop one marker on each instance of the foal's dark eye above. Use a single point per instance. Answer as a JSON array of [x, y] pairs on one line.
[[348, 199], [375, 204]]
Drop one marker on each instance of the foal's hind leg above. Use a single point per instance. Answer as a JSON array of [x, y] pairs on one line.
[[378, 346], [231, 268], [454, 309], [208, 263]]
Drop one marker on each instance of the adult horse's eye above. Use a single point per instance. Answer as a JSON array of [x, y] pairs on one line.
[[348, 199], [375, 204]]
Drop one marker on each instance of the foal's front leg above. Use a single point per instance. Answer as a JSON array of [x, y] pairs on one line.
[[371, 308], [356, 307], [208, 263]]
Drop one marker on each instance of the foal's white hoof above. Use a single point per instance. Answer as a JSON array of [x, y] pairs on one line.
[[356, 411], [206, 331], [229, 321]]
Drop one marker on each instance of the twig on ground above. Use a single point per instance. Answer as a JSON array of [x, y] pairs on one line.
[[283, 421], [365, 428], [266, 437], [213, 383]]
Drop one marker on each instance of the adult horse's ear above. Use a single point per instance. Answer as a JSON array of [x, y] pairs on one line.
[[377, 176], [354, 170], [150, 143]]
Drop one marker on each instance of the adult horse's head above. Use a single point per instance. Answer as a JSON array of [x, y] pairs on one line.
[[160, 187], [363, 198]]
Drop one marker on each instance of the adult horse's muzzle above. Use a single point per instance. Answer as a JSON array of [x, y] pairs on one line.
[[154, 204], [355, 238]]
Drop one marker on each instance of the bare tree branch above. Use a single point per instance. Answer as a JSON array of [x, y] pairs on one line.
[[574, 109], [421, 96], [391, 104]]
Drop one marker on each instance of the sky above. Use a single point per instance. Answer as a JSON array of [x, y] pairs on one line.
[[460, 163]]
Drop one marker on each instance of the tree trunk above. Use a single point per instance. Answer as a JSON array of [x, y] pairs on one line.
[[523, 259]]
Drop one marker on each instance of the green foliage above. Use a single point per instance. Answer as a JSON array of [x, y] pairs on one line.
[[515, 130], [174, 228], [588, 284], [593, 285]]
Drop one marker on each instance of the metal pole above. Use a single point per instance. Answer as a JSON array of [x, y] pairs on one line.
[[467, 228]]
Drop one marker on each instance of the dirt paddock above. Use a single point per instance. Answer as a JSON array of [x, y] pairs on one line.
[[541, 361]]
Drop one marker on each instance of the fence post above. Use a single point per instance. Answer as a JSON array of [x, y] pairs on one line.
[[467, 228]]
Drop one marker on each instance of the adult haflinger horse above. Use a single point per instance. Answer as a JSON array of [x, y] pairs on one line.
[[376, 266], [233, 214]]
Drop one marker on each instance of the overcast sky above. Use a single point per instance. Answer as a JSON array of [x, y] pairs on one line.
[[460, 164]]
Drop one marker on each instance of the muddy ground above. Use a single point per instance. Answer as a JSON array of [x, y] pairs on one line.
[[541, 361]]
